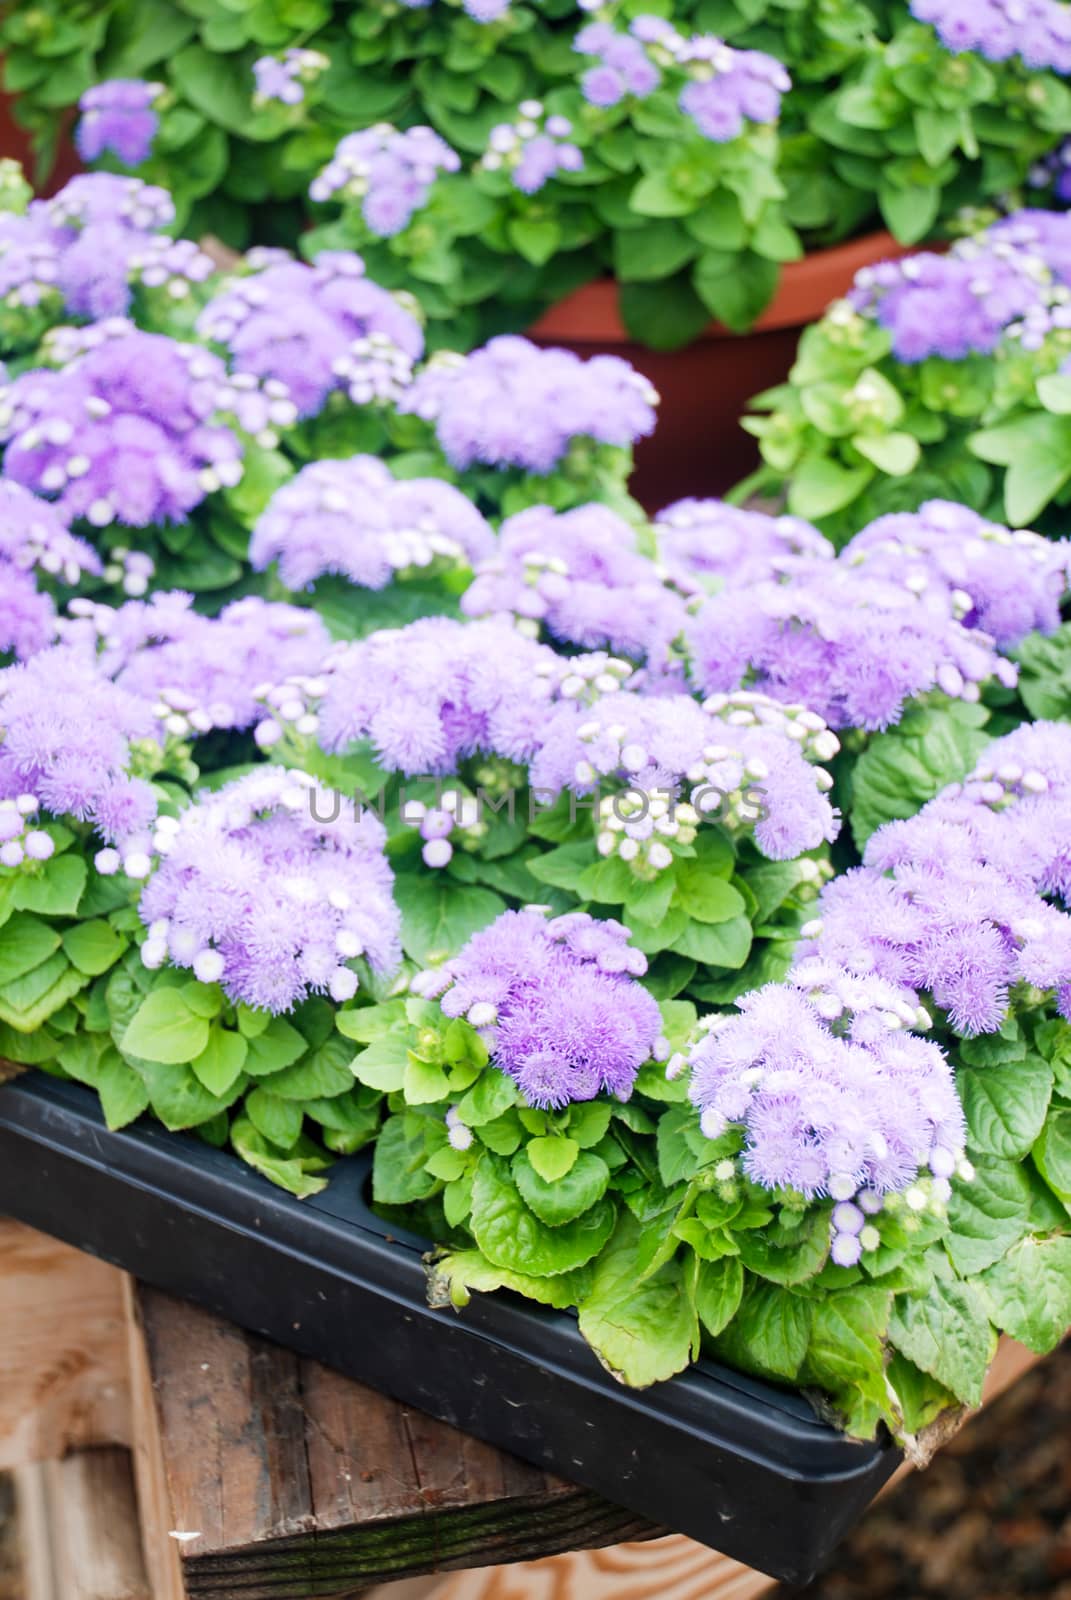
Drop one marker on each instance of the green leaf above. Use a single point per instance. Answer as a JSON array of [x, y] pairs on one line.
[[123, 1093], [1005, 1107], [655, 251], [787, 1256], [492, 1094], [562, 1199], [165, 1029], [221, 1061], [719, 1288], [946, 1332], [272, 1048], [25, 942], [28, 1001], [383, 1065], [552, 1157], [901, 769], [895, 454], [178, 1099], [424, 1084], [319, 1075], [398, 1173], [724, 944], [451, 1278], [665, 315], [1036, 450], [987, 1215], [536, 239], [93, 947], [704, 896], [655, 195], [1029, 1292], [279, 1120], [54, 891], [440, 916], [645, 1332], [512, 1236], [846, 1354], [820, 487], [1052, 1153], [769, 1334], [735, 293], [909, 213], [294, 1173]]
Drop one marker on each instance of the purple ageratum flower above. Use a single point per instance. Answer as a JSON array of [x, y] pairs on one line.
[[27, 617], [436, 692], [392, 173], [624, 67], [118, 117], [1037, 31], [356, 519], [950, 306], [580, 575], [124, 433], [854, 649], [258, 895], [209, 672], [557, 1003], [65, 737], [512, 404], [286, 78], [98, 197], [292, 323], [718, 544], [1008, 584], [950, 903], [34, 535], [1041, 237], [822, 1113], [533, 149], [673, 765]]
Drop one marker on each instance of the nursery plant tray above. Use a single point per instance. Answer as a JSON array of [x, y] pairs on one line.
[[742, 1466]]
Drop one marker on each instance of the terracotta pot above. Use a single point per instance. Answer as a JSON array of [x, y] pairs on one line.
[[698, 447]]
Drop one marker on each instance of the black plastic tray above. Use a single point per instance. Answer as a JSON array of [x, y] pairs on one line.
[[742, 1466]]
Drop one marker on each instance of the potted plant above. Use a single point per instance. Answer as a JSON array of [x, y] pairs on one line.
[[693, 168]]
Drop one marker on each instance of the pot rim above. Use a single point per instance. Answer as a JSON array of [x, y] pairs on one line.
[[590, 314]]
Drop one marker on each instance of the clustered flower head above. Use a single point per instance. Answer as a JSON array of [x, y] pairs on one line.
[[579, 575], [741, 761], [356, 519], [69, 737], [624, 68], [1053, 172], [482, 11], [532, 149], [953, 904], [556, 1002], [125, 433], [436, 692], [99, 197], [851, 647], [285, 78], [34, 535], [718, 544], [27, 616], [390, 172], [170, 268], [851, 1115], [1037, 31], [953, 305], [511, 404], [256, 894], [119, 117], [292, 323], [22, 840], [1006, 583]]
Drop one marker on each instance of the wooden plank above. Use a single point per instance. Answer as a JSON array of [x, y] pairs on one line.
[[672, 1568], [78, 1528], [287, 1481], [62, 1349], [162, 1558]]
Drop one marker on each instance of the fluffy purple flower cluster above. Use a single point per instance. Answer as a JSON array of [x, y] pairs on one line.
[[355, 518], [285, 78], [624, 68], [851, 647], [119, 117], [532, 149], [198, 672], [1037, 31], [717, 544], [483, 11], [556, 1002], [34, 535], [953, 902], [27, 616], [512, 404], [21, 840], [849, 1115], [292, 323], [125, 433], [432, 694], [580, 575], [94, 198], [951, 306], [1007, 584], [740, 760], [255, 894], [389, 172], [65, 737]]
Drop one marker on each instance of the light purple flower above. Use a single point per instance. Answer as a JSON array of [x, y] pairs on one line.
[[511, 404], [392, 173], [356, 519], [34, 535], [272, 901], [724, 545], [27, 616], [1036, 31], [119, 117], [951, 306], [557, 1003]]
